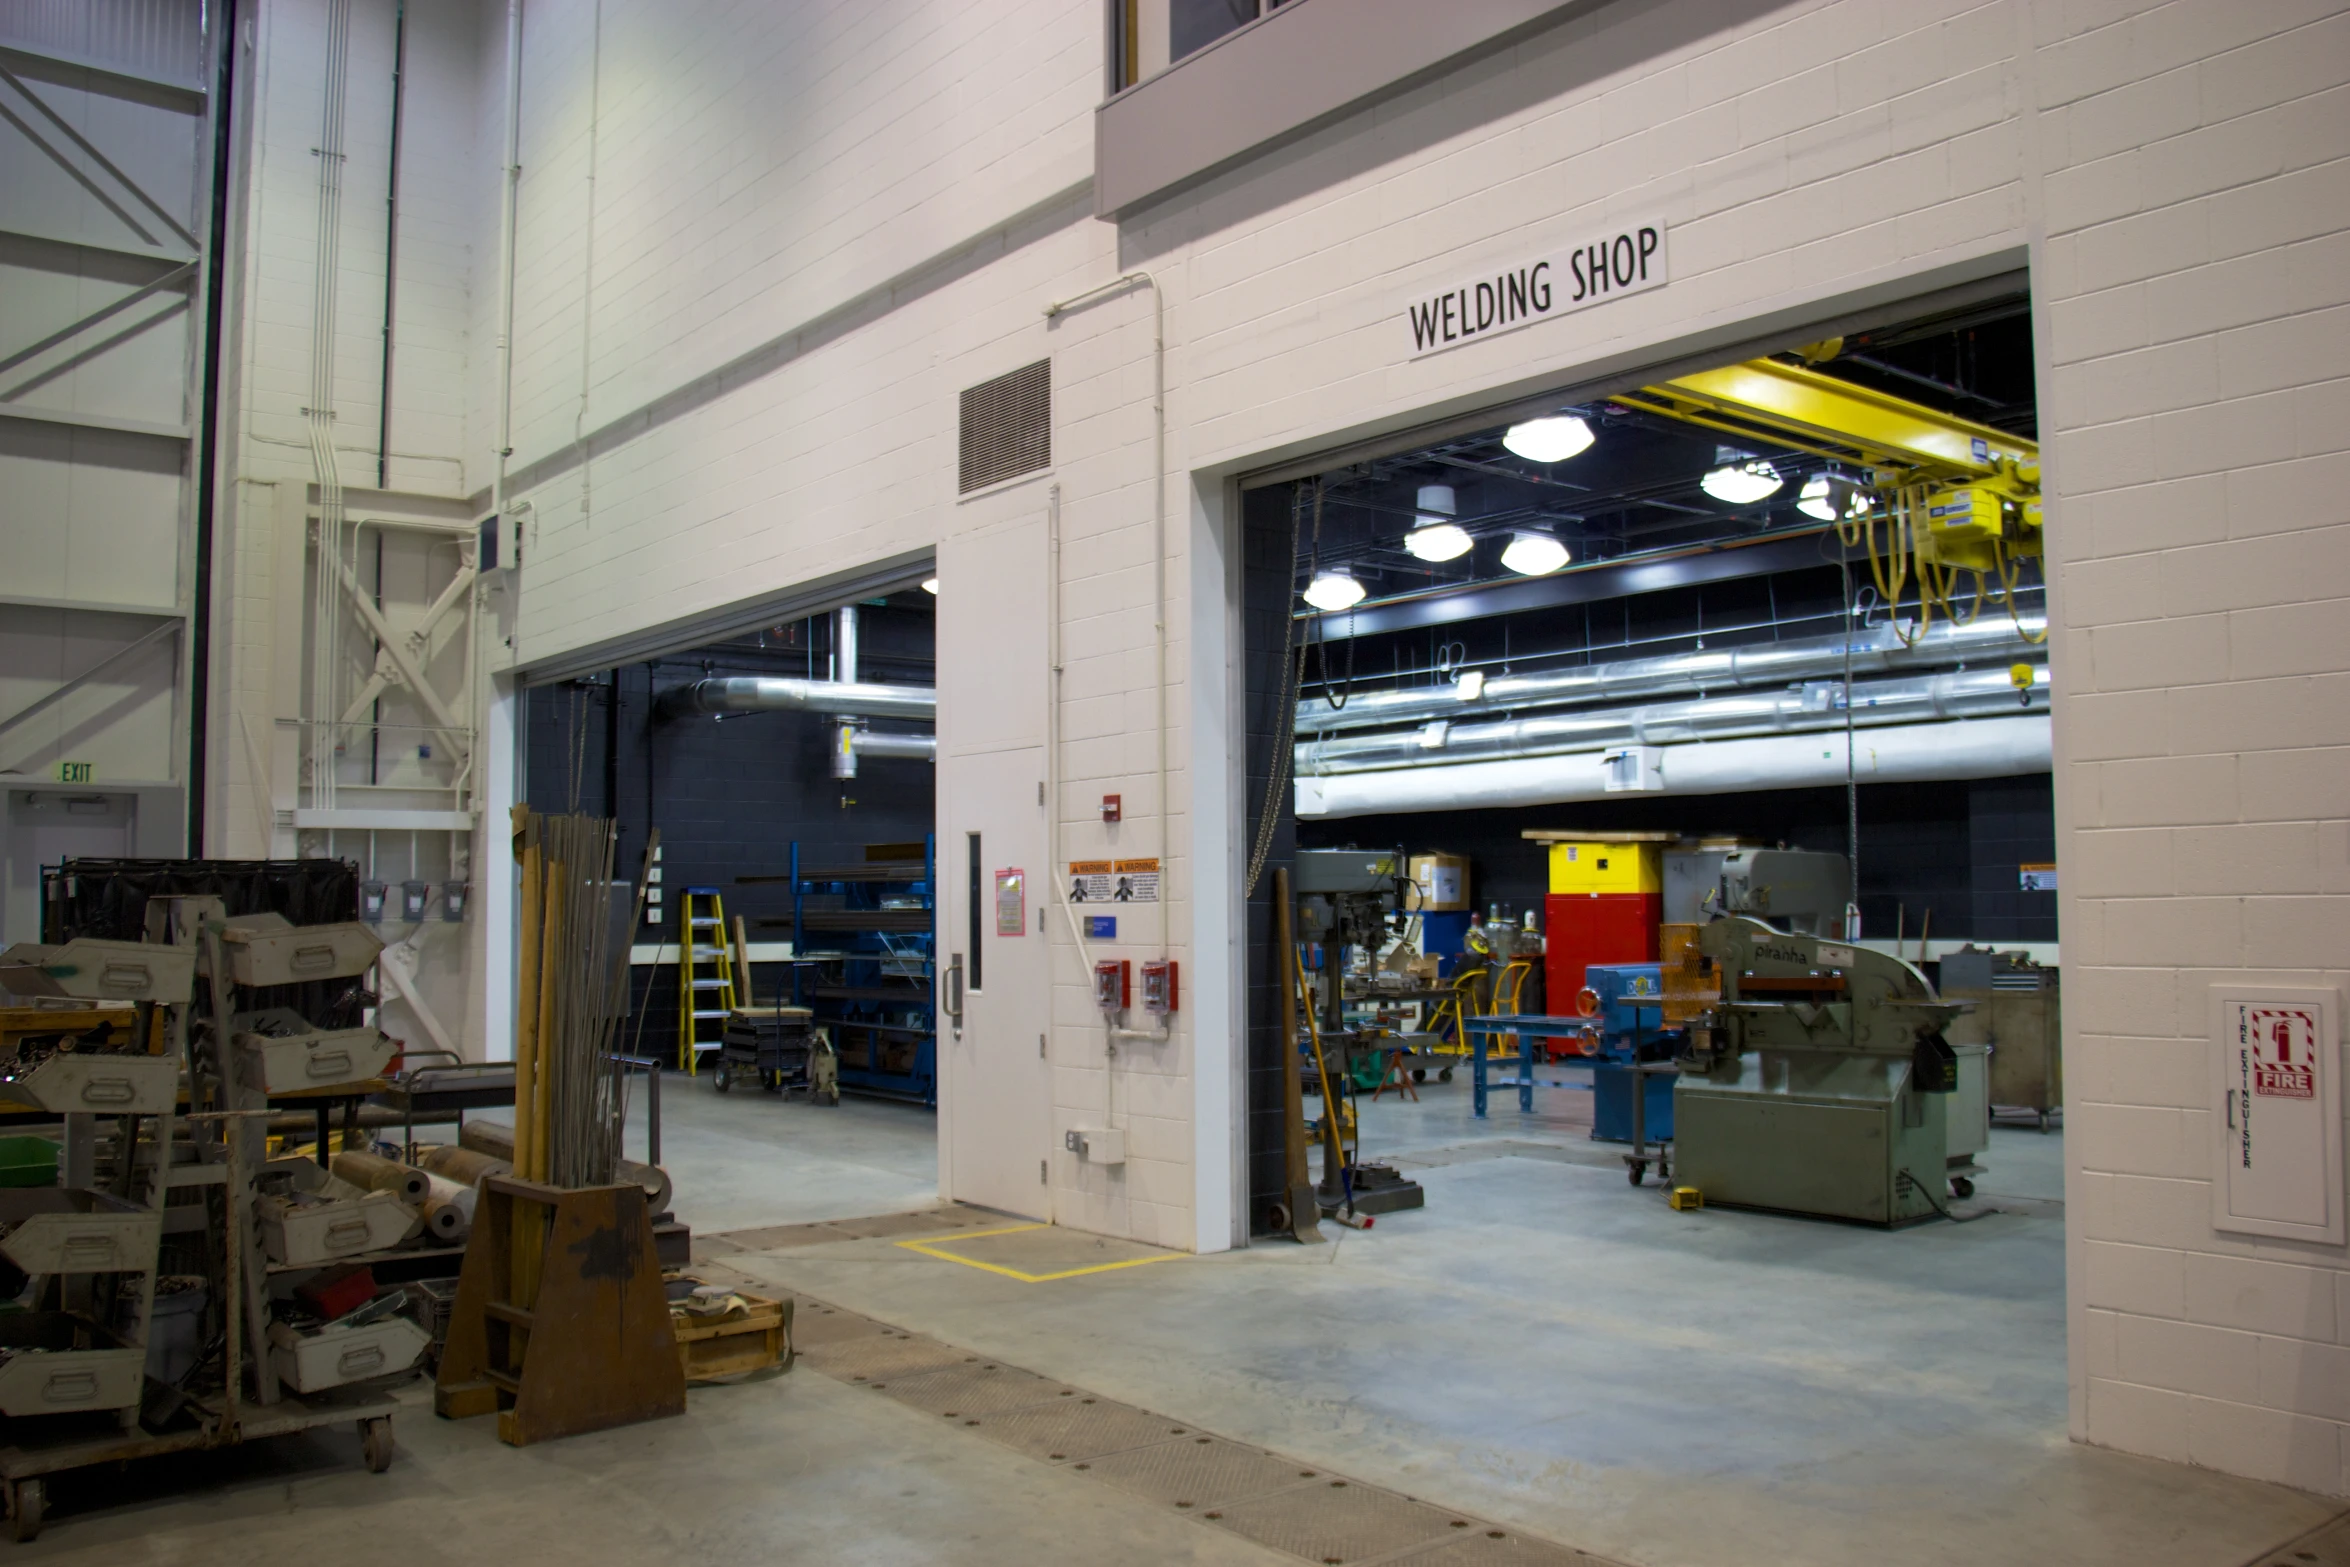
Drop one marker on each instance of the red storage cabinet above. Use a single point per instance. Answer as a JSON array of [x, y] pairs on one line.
[[1582, 928]]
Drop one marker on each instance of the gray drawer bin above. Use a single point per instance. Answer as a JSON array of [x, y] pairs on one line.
[[263, 949], [66, 1230], [101, 1082], [55, 1363], [279, 1052], [313, 1217], [334, 1355], [90, 969]]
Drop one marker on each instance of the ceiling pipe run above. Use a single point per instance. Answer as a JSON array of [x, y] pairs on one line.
[[1756, 664], [1440, 745], [1909, 753], [912, 748], [745, 694]]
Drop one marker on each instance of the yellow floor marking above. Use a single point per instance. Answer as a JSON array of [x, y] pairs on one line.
[[929, 1248]]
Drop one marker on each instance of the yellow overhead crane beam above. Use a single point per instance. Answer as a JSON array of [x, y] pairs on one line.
[[1804, 407], [1953, 497]]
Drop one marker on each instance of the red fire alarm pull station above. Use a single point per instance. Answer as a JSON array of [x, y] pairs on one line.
[[1113, 808], [1158, 987], [1113, 984]]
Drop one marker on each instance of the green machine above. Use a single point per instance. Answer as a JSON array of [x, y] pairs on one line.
[[1817, 1078]]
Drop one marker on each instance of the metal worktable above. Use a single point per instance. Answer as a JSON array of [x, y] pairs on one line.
[[1530, 1027]]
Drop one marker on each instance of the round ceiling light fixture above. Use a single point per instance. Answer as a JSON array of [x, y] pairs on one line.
[[1819, 497], [1534, 554], [1549, 440], [1435, 536], [930, 586], [1333, 590], [1740, 479]]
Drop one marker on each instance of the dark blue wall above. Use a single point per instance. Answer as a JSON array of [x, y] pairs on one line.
[[729, 796]]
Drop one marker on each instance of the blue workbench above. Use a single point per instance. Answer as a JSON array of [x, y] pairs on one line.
[[1530, 1027]]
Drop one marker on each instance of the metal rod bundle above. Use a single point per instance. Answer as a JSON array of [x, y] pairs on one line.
[[570, 1096]]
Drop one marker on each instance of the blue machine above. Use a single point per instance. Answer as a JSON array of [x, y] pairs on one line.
[[1631, 1014], [1445, 935]]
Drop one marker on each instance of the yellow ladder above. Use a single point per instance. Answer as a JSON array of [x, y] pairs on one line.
[[705, 976]]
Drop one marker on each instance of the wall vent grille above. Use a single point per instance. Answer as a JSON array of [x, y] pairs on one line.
[[1007, 426]]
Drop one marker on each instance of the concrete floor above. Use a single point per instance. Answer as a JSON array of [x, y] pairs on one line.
[[1542, 1345], [744, 1159], [1547, 1346]]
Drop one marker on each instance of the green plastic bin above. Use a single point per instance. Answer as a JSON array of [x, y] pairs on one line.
[[28, 1161]]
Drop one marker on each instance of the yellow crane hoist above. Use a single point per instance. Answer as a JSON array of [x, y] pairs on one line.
[[1936, 499]]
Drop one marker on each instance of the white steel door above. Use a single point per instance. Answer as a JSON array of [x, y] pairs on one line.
[[996, 1082], [995, 1085]]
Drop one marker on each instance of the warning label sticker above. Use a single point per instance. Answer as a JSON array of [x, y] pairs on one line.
[[1114, 881], [2284, 1050]]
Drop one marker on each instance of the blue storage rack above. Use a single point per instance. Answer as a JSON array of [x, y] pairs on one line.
[[866, 934]]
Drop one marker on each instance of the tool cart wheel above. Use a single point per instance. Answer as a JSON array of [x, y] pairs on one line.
[[721, 1080], [375, 1443], [1960, 1186], [1637, 1169], [1444, 1075], [27, 1501]]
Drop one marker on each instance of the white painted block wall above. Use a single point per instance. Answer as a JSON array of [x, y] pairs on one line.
[[2197, 282], [873, 208]]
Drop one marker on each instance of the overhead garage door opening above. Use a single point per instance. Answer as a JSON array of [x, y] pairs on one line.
[[1762, 641], [783, 970]]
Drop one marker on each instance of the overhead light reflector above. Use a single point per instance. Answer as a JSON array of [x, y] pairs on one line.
[[1740, 480], [1549, 440], [1434, 540], [1435, 536], [1819, 498], [1333, 590], [1534, 554]]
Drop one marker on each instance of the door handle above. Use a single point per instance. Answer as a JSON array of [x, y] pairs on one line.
[[951, 1002]]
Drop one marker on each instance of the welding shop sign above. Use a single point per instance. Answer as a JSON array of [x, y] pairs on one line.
[[1625, 258], [2277, 1113]]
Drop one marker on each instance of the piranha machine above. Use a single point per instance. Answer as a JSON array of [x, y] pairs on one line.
[[1814, 1078]]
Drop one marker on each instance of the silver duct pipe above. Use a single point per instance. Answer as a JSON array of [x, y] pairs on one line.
[[1903, 753], [1759, 664], [912, 748], [1920, 699], [744, 694]]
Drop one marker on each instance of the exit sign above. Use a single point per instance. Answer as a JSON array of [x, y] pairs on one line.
[[77, 772]]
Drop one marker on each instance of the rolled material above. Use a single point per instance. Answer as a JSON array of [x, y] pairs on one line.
[[444, 1223], [651, 1177], [465, 1197], [448, 1213], [494, 1138], [378, 1174], [462, 1167]]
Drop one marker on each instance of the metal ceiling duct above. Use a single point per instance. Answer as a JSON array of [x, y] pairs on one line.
[[1919, 699], [1874, 652], [912, 748], [746, 694], [1908, 753]]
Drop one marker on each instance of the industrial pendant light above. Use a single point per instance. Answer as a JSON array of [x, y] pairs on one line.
[[1549, 440], [1740, 479], [1822, 491], [930, 586], [1333, 590], [1534, 554], [1435, 536]]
